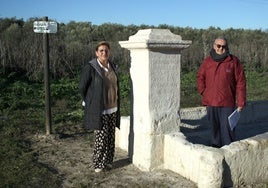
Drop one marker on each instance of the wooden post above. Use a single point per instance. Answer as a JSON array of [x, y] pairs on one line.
[[47, 80]]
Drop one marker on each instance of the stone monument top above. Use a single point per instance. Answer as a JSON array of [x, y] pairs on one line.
[[155, 38]]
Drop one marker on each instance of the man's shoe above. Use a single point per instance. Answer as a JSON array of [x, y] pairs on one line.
[[215, 146]]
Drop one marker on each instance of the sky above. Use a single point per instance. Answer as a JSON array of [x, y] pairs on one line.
[[199, 14]]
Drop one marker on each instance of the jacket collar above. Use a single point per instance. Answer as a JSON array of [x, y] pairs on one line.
[[96, 66]]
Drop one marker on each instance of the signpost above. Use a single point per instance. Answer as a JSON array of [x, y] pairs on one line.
[[46, 27]]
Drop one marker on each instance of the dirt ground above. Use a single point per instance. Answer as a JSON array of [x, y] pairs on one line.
[[70, 154]]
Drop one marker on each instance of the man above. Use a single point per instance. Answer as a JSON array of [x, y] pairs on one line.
[[221, 82]]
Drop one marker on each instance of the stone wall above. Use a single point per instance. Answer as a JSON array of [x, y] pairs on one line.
[[157, 136], [243, 162], [239, 164]]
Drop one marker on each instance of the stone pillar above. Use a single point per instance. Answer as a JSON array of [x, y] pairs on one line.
[[155, 73]]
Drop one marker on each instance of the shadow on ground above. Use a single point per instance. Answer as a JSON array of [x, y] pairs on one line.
[[198, 131]]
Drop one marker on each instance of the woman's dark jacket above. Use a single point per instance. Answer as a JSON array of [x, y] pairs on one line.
[[90, 88]]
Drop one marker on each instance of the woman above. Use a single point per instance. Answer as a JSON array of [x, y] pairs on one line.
[[99, 87]]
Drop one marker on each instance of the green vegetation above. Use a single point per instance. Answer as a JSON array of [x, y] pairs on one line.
[[22, 114], [22, 94], [256, 88]]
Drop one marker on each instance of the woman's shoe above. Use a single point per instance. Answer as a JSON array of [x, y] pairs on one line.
[[98, 170], [109, 166]]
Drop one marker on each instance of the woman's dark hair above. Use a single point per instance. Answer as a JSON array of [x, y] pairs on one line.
[[102, 43]]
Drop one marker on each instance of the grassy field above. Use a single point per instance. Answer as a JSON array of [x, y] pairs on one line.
[[22, 114]]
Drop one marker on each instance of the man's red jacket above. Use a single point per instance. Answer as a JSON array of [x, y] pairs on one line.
[[222, 84]]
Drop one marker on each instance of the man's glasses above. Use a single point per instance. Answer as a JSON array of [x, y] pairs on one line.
[[220, 46]]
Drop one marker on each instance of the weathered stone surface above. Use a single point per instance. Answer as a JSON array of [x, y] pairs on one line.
[[155, 72], [152, 138], [247, 161]]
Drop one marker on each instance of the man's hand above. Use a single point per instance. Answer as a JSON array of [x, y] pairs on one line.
[[239, 108]]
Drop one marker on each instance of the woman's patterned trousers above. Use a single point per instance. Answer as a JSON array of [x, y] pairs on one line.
[[104, 145]]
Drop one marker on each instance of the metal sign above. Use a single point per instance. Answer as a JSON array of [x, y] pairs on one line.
[[45, 27]]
